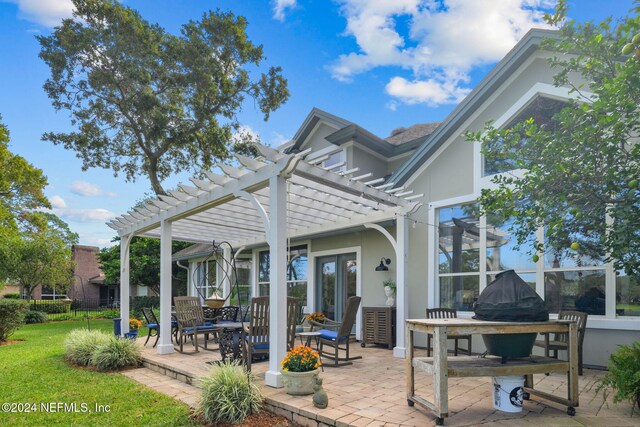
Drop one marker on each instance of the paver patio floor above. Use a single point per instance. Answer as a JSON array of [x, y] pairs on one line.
[[371, 392]]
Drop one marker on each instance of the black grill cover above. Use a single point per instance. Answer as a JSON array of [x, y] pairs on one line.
[[510, 299]]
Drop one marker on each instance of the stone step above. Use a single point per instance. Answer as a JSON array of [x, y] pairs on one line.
[[165, 384]]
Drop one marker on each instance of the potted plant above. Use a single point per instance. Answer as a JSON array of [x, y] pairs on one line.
[[624, 375], [134, 324], [298, 369], [390, 292]]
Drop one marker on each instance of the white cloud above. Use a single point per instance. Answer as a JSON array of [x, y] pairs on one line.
[[280, 7], [85, 215], [87, 189], [245, 133], [444, 40], [58, 202], [46, 12]]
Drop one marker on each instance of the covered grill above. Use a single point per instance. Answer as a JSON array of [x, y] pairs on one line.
[[510, 299]]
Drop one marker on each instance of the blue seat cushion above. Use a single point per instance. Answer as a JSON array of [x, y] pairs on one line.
[[152, 326], [198, 328], [330, 335], [259, 346]]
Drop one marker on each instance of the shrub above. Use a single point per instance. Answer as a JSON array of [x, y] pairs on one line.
[[624, 375], [50, 307], [35, 317], [80, 345], [116, 353], [229, 394], [12, 295], [139, 302], [12, 313]]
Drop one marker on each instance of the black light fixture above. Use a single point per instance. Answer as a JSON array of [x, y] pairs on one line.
[[382, 266]]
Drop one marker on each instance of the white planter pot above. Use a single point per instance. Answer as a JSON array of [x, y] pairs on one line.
[[299, 383]]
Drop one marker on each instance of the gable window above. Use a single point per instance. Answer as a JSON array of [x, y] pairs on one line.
[[542, 109], [335, 159]]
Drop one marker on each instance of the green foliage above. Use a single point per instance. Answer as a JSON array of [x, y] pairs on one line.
[[33, 316], [50, 307], [21, 188], [140, 302], [38, 361], [12, 295], [147, 102], [12, 313], [229, 394], [624, 375], [582, 165], [116, 353], [36, 259], [390, 283], [81, 344], [144, 262]]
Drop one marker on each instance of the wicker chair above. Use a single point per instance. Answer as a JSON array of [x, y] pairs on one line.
[[561, 341], [446, 313], [191, 323], [336, 335], [152, 324]]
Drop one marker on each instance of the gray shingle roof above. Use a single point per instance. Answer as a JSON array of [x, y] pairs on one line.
[[402, 135]]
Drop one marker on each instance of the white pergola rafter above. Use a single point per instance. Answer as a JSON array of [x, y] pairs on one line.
[[265, 200]]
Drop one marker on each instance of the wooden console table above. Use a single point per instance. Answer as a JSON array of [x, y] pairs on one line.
[[442, 367]]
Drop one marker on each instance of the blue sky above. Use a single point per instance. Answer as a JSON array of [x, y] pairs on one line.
[[380, 63]]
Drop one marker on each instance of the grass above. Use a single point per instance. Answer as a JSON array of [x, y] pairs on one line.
[[34, 371]]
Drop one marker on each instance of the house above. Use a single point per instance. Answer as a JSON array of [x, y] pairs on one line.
[[345, 200]]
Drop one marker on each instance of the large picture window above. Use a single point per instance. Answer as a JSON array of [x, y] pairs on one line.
[[473, 249]]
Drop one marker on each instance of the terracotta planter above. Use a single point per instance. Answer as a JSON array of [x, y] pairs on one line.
[[299, 383]]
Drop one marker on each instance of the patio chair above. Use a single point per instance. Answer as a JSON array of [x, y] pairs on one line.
[[191, 323], [293, 310], [447, 313], [337, 335], [152, 324], [257, 333], [561, 341]]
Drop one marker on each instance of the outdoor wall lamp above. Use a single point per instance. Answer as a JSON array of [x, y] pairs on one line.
[[382, 266]]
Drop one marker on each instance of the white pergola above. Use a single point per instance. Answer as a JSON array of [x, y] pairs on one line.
[[271, 199]]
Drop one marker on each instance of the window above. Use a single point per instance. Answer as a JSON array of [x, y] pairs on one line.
[[334, 159], [471, 247], [296, 272], [542, 110], [51, 293], [627, 295], [459, 256], [205, 280]]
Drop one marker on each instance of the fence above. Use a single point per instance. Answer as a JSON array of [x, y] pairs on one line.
[[72, 309]]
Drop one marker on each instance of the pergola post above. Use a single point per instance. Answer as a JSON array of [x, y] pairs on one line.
[[276, 237], [165, 346], [124, 283], [402, 297]]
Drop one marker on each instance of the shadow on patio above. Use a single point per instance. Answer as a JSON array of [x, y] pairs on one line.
[[371, 392]]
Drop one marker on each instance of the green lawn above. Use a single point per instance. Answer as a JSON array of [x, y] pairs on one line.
[[34, 372]]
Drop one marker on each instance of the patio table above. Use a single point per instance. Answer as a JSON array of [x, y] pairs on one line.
[[231, 342], [442, 367]]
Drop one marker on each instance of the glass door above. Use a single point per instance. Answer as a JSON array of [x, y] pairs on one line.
[[336, 276]]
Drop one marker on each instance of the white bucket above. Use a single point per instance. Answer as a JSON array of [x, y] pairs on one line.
[[507, 393]]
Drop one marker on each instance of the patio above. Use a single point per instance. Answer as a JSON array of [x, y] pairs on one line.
[[371, 392]]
